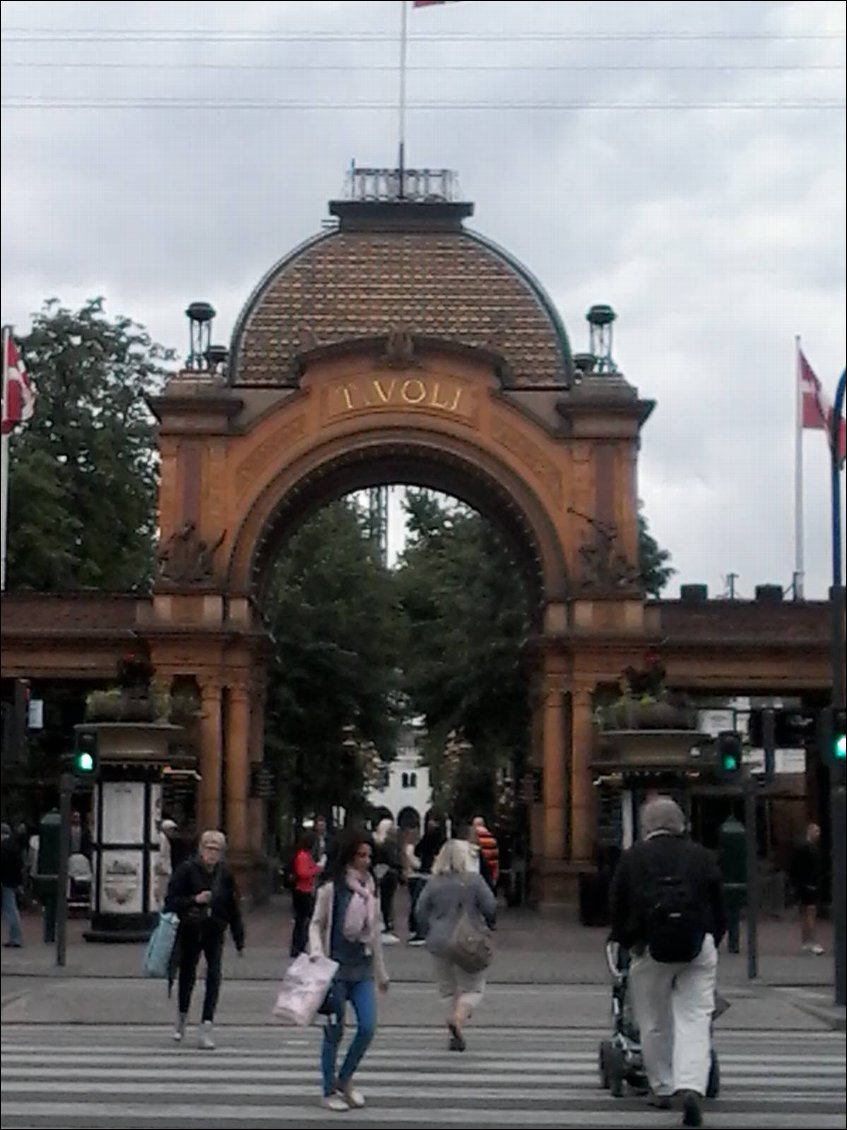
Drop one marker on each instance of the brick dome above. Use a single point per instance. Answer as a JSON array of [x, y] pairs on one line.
[[400, 265]]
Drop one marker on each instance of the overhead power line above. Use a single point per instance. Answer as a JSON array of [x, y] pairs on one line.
[[99, 64], [174, 35], [165, 103]]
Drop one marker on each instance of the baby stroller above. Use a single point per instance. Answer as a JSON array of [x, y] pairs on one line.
[[621, 1065]]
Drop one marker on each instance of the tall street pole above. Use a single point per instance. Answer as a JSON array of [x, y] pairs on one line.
[[836, 778]]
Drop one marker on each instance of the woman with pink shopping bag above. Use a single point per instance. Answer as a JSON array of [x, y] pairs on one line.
[[345, 928]]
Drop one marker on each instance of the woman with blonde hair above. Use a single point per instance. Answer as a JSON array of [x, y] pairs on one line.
[[455, 886], [202, 892]]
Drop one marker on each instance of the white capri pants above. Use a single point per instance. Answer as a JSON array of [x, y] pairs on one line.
[[454, 982], [673, 1008]]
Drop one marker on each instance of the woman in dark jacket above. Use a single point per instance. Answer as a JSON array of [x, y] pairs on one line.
[[202, 892]]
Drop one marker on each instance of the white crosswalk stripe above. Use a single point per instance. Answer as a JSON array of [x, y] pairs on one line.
[[130, 1078]]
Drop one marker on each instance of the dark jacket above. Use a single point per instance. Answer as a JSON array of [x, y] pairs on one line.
[[805, 867], [664, 855], [188, 880], [12, 863], [428, 847]]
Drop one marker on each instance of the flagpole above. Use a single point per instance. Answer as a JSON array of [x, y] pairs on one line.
[[799, 556], [401, 155], [4, 464]]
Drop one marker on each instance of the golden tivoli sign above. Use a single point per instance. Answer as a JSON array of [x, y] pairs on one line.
[[365, 394]]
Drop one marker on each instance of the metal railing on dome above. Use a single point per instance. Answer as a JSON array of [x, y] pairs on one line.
[[419, 185]]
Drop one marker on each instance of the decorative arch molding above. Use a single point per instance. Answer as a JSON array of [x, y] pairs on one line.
[[414, 457]]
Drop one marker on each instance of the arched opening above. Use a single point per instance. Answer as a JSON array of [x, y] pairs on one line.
[[438, 463], [509, 514]]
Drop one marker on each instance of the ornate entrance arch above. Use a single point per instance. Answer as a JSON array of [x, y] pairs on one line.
[[424, 356]]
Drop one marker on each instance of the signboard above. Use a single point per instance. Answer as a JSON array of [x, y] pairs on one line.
[[121, 882], [123, 812], [35, 720], [532, 786], [714, 722], [262, 783]]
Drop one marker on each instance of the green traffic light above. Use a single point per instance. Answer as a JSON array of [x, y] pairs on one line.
[[730, 763], [840, 747], [85, 762]]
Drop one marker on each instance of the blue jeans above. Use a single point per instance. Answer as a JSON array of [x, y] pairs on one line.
[[12, 916], [362, 996]]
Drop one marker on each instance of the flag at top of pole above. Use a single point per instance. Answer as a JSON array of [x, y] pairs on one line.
[[18, 393], [817, 408]]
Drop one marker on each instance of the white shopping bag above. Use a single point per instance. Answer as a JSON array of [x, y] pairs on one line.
[[304, 988]]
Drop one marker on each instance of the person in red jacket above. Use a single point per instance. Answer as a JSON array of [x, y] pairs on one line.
[[306, 871], [489, 849]]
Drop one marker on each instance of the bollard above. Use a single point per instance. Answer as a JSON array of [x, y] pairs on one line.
[[46, 878], [732, 839]]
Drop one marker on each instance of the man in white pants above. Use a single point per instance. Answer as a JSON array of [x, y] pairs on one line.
[[668, 910]]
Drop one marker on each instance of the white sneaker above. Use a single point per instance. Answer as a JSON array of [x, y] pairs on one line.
[[389, 939], [179, 1031], [817, 949], [207, 1036], [417, 941], [354, 1099], [334, 1102]]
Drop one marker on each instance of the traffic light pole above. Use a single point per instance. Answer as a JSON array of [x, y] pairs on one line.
[[750, 788], [66, 788], [836, 778]]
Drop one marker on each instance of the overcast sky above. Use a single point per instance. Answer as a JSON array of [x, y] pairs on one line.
[[684, 162]]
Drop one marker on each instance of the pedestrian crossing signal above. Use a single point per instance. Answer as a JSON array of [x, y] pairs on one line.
[[729, 754], [85, 759], [832, 739], [839, 738]]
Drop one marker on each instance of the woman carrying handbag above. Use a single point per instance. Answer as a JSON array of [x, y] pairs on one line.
[[456, 912]]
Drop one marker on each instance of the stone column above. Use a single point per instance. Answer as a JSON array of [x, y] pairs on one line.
[[553, 753], [582, 794], [237, 769], [257, 805], [211, 756]]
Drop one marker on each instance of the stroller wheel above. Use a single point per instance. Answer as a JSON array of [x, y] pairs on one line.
[[603, 1063], [713, 1086], [616, 1070]]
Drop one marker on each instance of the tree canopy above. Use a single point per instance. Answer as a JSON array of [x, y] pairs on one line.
[[333, 616], [83, 472]]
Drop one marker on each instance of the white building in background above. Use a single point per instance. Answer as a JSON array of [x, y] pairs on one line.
[[406, 790]]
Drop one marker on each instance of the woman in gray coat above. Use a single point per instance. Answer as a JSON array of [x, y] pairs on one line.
[[455, 884]]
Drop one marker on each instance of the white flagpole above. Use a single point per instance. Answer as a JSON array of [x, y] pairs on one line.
[[4, 465], [401, 155], [799, 557]]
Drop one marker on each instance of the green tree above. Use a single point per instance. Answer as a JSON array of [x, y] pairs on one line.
[[83, 472], [333, 684], [652, 559], [467, 616], [468, 619]]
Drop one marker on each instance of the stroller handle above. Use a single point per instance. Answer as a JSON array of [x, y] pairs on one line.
[[613, 960]]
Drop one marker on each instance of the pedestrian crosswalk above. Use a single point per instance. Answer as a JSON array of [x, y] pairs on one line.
[[132, 1078]]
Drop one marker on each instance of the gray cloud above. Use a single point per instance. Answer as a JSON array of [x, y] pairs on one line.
[[716, 233]]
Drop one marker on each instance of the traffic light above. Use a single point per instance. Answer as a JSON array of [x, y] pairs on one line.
[[839, 738], [729, 749], [793, 727], [831, 738], [85, 759]]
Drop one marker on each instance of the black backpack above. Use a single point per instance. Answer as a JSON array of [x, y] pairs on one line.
[[673, 917]]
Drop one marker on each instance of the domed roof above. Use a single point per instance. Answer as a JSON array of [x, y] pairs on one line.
[[420, 270]]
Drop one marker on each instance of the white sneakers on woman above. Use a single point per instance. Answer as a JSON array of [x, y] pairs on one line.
[[344, 1099]]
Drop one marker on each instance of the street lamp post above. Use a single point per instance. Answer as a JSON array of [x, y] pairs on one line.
[[837, 784]]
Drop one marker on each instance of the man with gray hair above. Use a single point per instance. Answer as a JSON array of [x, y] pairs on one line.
[[667, 909]]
